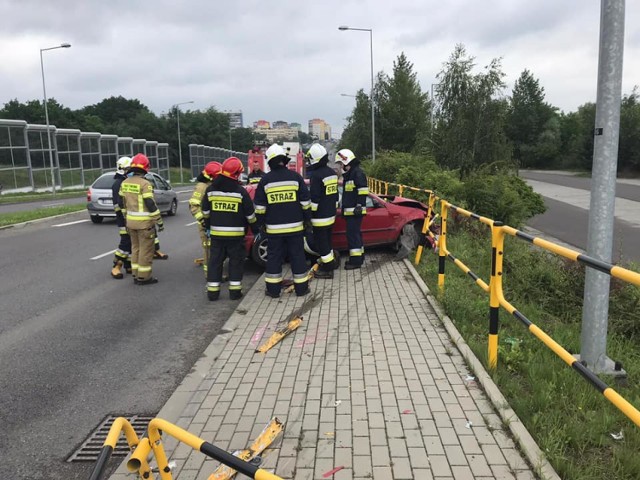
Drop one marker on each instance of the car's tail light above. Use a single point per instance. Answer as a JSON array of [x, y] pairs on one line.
[[89, 195]]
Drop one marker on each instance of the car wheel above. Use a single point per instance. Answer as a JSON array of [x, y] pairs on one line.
[[96, 219], [408, 239], [174, 208], [259, 252]]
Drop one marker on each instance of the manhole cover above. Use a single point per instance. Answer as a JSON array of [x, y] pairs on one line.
[[90, 448]]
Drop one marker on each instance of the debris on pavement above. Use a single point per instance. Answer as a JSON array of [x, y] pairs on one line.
[[280, 334], [332, 472]]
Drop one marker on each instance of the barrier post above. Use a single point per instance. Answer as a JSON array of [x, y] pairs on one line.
[[495, 291], [401, 187], [425, 228], [386, 188], [442, 244]]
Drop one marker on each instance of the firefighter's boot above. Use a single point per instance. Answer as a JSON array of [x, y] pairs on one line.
[[116, 271], [158, 255]]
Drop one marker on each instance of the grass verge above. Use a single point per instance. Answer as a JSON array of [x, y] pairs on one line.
[[19, 217], [570, 420], [31, 196]]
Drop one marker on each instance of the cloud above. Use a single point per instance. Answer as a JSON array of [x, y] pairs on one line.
[[286, 59]]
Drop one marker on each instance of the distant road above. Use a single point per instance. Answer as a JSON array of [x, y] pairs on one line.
[[567, 215]]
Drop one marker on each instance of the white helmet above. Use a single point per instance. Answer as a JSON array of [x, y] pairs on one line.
[[274, 151], [122, 164], [345, 156], [316, 153]]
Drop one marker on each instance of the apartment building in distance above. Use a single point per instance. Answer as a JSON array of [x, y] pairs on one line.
[[320, 129]]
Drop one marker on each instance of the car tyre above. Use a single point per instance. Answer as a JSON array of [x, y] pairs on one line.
[[174, 208], [96, 219], [259, 252], [408, 238]]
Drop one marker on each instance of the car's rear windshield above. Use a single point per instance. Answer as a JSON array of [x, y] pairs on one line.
[[104, 182]]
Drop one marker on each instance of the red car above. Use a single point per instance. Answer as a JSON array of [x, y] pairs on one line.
[[388, 221]]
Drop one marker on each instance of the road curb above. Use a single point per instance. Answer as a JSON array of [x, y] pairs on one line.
[[37, 220], [525, 441]]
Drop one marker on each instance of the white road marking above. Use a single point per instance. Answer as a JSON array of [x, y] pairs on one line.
[[183, 191], [189, 224], [184, 201], [53, 204], [70, 223], [111, 252]]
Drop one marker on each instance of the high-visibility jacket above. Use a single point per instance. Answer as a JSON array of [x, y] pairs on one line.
[[227, 209], [115, 194], [324, 196], [355, 190], [138, 204], [255, 177], [282, 202], [195, 202]]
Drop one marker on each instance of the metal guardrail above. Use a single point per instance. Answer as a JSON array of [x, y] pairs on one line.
[[496, 293], [153, 444]]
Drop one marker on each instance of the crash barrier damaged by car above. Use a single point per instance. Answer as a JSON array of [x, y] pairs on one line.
[[245, 461], [496, 294]]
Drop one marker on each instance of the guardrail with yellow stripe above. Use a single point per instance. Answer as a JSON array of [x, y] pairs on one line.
[[494, 287]]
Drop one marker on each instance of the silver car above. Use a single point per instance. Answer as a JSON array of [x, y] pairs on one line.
[[100, 198]]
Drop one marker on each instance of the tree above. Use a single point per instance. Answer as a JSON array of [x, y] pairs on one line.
[[576, 137], [470, 119], [532, 125], [403, 108], [629, 149], [357, 134]]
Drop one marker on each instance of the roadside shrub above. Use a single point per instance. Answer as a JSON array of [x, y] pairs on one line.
[[502, 197]]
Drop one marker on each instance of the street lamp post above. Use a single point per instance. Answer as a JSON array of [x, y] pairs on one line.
[[373, 121], [46, 112], [177, 107]]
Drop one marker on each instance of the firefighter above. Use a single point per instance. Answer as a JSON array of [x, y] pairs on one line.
[[256, 174], [324, 201], [142, 216], [283, 208], [210, 172], [354, 201], [227, 210], [123, 252]]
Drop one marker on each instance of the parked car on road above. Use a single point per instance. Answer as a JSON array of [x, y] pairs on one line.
[[100, 198], [389, 221]]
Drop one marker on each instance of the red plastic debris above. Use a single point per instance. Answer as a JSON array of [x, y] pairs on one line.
[[331, 473], [406, 412]]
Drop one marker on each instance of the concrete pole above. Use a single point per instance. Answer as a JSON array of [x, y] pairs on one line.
[[46, 116], [179, 144], [593, 341], [373, 117]]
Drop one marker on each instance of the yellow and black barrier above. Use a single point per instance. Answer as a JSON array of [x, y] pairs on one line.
[[497, 298], [157, 425], [119, 426], [381, 187]]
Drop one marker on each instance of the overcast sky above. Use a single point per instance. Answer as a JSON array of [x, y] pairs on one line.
[[286, 59]]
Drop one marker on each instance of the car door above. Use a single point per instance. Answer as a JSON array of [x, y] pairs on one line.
[[158, 191], [377, 225]]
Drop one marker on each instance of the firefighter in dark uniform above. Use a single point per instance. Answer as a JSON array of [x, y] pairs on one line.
[[227, 210], [209, 173], [283, 208], [354, 205], [142, 216], [123, 252], [324, 200], [256, 174]]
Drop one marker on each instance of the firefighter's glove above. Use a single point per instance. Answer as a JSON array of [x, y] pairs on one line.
[[161, 227], [203, 223], [357, 210]]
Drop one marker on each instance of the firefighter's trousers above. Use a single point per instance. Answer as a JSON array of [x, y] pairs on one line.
[[219, 251], [322, 244], [142, 248], [123, 252], [354, 240], [204, 240], [280, 247]]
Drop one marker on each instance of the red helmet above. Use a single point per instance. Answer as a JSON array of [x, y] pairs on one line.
[[232, 167], [212, 170], [140, 161]]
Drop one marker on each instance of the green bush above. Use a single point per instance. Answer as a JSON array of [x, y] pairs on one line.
[[506, 198]]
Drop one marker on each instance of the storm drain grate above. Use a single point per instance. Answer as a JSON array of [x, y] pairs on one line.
[[90, 448]]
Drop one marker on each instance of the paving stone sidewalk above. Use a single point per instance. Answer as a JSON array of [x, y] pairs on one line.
[[371, 382]]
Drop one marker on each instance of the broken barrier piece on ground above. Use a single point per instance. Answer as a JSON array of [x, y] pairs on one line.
[[280, 334], [266, 438]]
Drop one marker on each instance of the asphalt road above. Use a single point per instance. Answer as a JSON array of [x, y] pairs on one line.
[[77, 345], [569, 223]]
